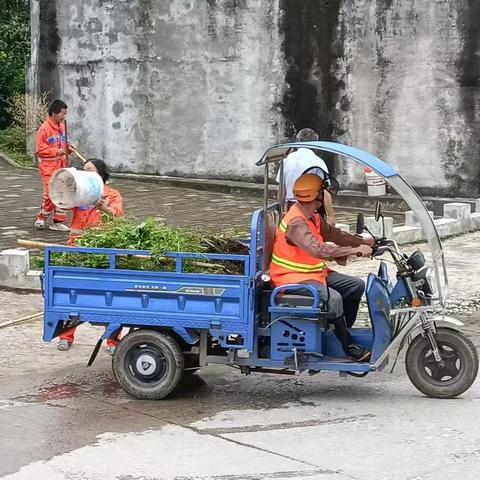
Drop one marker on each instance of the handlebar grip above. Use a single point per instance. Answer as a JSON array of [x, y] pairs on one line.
[[378, 250]]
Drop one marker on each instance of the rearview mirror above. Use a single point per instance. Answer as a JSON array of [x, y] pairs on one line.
[[360, 224], [378, 211]]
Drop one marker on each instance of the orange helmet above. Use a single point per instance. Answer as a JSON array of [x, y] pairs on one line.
[[307, 187]]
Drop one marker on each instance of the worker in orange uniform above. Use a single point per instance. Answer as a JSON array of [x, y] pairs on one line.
[[51, 149], [87, 216], [300, 255]]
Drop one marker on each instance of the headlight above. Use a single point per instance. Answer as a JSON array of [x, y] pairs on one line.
[[424, 281], [416, 260]]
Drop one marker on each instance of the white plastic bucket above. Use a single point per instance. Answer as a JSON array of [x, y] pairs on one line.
[[71, 188], [375, 183]]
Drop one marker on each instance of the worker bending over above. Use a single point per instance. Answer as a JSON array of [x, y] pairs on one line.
[[87, 216]]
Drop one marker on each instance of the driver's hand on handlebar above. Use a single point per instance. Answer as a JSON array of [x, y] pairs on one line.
[[364, 251], [369, 241]]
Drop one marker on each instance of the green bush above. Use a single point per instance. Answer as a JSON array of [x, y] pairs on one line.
[[13, 144], [14, 49], [28, 112]]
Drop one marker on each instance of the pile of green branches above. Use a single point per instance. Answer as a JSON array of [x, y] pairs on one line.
[[158, 238]]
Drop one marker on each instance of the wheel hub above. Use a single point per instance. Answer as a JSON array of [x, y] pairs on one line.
[[146, 364], [447, 369]]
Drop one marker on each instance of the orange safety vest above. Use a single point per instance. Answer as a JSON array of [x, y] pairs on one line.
[[90, 216], [49, 139], [291, 264]]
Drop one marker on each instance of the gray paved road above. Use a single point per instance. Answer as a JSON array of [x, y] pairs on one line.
[[62, 421], [20, 193]]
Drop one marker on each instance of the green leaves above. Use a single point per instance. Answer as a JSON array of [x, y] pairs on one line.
[[124, 233], [14, 49], [147, 235]]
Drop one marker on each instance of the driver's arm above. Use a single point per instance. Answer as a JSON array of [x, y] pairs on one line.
[[299, 234], [339, 237]]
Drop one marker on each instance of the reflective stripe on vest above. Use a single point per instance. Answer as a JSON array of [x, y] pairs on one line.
[[298, 267], [289, 263]]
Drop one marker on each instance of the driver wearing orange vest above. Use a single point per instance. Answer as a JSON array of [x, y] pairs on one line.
[[300, 255]]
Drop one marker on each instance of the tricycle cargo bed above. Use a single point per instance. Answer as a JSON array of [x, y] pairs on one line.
[[184, 302]]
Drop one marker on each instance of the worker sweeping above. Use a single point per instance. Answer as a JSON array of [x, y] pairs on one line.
[[52, 149], [86, 216]]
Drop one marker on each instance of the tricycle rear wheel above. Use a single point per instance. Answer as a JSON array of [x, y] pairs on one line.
[[450, 378], [148, 364]]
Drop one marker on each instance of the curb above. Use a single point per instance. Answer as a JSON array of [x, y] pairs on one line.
[[13, 163], [352, 199], [206, 184], [15, 270]]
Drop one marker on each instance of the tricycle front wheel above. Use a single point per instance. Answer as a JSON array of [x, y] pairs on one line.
[[148, 364], [453, 375]]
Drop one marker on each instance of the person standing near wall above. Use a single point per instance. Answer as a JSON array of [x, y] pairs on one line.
[[302, 161], [51, 149]]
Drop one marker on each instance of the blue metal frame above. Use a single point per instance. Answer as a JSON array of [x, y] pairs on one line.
[[378, 301], [400, 293], [291, 287], [365, 158], [114, 252]]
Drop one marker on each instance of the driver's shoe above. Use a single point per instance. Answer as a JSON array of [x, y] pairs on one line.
[[358, 353]]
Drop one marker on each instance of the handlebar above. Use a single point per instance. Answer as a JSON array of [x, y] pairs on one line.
[[383, 245], [379, 250]]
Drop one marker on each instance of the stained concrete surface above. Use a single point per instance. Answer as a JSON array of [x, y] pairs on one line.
[[61, 420]]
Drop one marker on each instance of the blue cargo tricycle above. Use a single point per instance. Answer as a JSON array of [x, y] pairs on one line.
[[179, 322]]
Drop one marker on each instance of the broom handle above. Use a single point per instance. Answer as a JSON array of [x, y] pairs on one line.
[[79, 155], [66, 144], [40, 245]]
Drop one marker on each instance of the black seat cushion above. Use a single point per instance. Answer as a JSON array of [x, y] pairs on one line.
[[294, 300]]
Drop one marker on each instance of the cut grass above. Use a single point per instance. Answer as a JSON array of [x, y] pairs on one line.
[[124, 233]]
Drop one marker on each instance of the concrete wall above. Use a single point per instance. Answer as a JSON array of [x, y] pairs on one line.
[[411, 71], [201, 87]]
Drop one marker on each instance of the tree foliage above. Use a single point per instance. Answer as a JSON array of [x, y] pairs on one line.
[[14, 49]]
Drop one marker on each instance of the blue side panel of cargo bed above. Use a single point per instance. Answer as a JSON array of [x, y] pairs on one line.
[[185, 302]]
